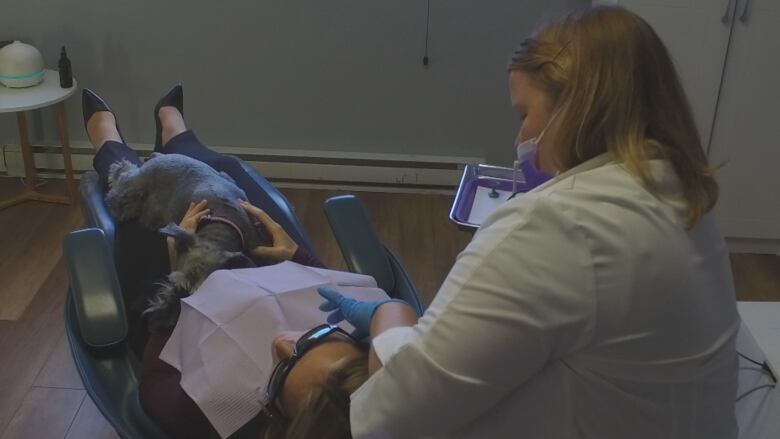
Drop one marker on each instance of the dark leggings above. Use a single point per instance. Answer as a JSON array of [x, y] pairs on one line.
[[141, 256]]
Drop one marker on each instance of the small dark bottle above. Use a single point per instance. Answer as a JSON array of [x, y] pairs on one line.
[[66, 74]]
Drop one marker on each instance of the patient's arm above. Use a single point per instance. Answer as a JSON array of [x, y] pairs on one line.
[[387, 316], [283, 248], [303, 257], [190, 224], [170, 243]]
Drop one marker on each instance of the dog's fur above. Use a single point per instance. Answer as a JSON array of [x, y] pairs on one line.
[[158, 195]]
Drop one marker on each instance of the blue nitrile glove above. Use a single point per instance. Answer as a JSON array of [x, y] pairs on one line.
[[357, 313]]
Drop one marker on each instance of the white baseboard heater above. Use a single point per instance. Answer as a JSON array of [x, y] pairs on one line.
[[288, 168], [319, 170]]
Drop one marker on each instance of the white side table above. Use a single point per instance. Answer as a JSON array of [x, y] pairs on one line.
[[19, 100]]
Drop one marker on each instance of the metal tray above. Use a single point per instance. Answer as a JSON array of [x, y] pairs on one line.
[[481, 176]]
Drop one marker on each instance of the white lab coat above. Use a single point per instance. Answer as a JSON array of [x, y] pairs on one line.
[[583, 309]]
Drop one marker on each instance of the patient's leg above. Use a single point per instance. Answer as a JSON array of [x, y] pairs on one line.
[[172, 123], [101, 128], [102, 132]]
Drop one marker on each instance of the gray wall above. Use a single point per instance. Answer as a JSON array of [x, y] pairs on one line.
[[306, 74]]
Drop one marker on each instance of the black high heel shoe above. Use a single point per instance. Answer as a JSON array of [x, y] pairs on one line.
[[91, 103], [174, 98]]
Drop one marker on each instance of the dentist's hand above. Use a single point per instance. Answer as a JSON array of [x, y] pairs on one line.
[[357, 313]]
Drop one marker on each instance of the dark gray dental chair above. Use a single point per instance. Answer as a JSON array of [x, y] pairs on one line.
[[95, 318]]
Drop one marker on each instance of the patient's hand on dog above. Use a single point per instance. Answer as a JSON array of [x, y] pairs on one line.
[[193, 215], [282, 247], [193, 259], [189, 224]]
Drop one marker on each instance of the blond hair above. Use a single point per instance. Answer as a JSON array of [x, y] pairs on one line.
[[325, 413], [615, 89]]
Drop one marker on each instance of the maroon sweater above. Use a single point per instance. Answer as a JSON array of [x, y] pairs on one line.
[[163, 399]]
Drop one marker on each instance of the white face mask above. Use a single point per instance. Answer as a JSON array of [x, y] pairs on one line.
[[526, 162], [527, 148]]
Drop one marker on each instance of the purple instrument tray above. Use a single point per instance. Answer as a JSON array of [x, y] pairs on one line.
[[475, 176]]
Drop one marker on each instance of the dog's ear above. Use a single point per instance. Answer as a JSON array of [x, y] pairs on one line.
[[184, 239], [238, 260]]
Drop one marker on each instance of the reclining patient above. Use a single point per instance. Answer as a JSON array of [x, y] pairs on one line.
[[310, 394]]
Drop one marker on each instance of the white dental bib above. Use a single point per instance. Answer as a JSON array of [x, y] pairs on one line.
[[222, 341]]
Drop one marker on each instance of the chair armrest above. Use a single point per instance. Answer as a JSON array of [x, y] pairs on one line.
[[362, 250], [94, 206], [404, 287], [282, 202], [96, 294]]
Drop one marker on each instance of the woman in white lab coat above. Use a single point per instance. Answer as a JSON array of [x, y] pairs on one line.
[[600, 304]]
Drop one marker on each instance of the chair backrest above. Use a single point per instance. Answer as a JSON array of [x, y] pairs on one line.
[[94, 314], [363, 251], [95, 322]]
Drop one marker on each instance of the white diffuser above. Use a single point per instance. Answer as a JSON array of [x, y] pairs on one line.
[[21, 65]]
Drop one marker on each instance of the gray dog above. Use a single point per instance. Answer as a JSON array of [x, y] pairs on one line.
[[158, 194]]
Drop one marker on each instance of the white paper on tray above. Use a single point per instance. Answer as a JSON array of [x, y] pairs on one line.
[[222, 341], [483, 205]]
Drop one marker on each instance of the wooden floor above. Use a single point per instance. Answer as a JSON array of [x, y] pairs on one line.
[[41, 395]]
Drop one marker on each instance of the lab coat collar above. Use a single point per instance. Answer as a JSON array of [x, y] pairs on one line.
[[595, 162]]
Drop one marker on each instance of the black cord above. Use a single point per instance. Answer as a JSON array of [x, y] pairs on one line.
[[765, 367], [765, 386], [751, 360], [427, 33]]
